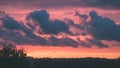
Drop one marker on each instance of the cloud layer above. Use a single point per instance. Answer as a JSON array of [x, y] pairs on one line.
[[41, 30], [109, 4]]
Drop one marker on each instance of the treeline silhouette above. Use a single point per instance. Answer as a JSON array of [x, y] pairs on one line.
[[76, 63], [11, 57]]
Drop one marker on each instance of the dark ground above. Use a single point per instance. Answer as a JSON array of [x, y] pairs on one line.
[[77, 63], [59, 63]]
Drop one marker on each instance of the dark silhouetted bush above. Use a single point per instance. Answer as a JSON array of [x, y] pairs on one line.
[[11, 57]]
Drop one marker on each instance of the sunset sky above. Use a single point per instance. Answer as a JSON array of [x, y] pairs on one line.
[[62, 28]]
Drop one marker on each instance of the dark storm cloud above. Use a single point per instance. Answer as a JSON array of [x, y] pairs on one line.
[[109, 4], [99, 27], [9, 22], [48, 26], [13, 29], [103, 28]]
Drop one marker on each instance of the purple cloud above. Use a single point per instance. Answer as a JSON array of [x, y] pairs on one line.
[[109, 4]]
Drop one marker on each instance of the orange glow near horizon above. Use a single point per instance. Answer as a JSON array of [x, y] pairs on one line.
[[70, 52]]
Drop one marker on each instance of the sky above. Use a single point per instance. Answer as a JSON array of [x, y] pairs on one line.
[[62, 28]]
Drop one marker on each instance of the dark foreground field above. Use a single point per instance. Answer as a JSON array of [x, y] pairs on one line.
[[59, 63]]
